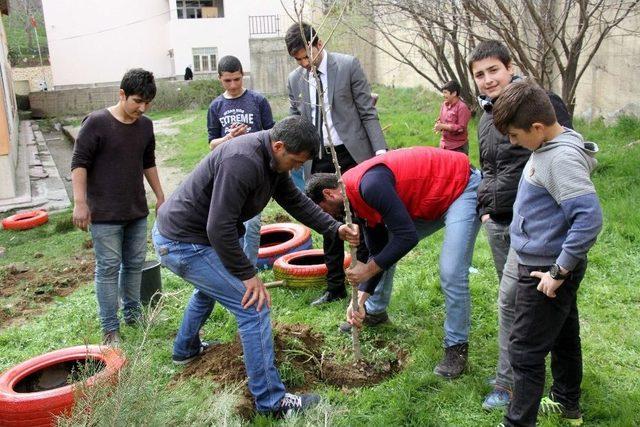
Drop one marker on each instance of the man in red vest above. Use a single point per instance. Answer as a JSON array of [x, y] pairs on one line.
[[402, 197]]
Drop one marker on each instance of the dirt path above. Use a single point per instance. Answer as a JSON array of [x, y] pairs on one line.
[[170, 176]]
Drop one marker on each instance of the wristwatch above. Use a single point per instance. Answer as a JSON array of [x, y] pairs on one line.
[[556, 274]]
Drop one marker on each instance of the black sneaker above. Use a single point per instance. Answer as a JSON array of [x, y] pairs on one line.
[[179, 360], [328, 297], [454, 361], [294, 403], [133, 321], [111, 338], [369, 320]]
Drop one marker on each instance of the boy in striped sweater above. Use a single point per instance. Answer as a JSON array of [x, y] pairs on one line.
[[556, 219]]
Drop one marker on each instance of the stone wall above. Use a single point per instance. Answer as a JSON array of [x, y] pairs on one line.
[[609, 87], [344, 41]]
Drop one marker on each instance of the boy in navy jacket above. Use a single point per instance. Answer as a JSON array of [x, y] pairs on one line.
[[556, 219]]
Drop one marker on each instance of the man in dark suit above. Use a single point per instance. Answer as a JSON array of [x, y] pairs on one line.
[[351, 117]]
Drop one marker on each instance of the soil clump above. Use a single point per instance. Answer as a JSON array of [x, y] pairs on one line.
[[26, 290]]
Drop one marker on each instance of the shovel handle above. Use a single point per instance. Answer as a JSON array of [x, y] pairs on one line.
[[275, 284]]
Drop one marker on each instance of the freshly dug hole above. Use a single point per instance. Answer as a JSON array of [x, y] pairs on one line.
[[300, 360]]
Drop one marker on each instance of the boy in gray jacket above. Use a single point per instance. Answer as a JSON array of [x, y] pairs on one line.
[[556, 219]]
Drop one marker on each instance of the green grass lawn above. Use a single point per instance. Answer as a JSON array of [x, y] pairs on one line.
[[149, 394]]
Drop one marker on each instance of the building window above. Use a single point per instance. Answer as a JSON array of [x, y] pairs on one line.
[[205, 59], [197, 9]]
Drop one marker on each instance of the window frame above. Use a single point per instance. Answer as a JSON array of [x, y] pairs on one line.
[[211, 58], [192, 9]]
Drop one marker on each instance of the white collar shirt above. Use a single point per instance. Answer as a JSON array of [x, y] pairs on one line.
[[322, 68]]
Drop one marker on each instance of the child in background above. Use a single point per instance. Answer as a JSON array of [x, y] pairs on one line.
[[453, 120]]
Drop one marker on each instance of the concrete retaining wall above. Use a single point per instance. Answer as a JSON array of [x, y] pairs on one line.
[[270, 65], [82, 101], [74, 101], [28, 79]]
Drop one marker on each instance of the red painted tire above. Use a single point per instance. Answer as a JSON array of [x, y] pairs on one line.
[[20, 406], [25, 220], [304, 269], [280, 239]]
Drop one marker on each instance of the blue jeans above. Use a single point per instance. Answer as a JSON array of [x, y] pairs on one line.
[[251, 238], [120, 251], [201, 266], [461, 226], [379, 301]]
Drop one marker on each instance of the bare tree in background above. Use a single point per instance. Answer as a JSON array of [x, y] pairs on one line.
[[432, 37], [21, 37], [550, 40], [566, 32], [26, 9]]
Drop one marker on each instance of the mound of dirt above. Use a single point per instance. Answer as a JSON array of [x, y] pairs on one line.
[[297, 346], [27, 290], [278, 217]]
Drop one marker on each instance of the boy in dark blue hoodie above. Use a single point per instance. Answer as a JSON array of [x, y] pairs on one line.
[[556, 219]]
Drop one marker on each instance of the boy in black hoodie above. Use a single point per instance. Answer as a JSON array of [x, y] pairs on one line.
[[492, 69]]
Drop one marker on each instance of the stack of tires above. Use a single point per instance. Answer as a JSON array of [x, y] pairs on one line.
[[277, 240], [286, 247]]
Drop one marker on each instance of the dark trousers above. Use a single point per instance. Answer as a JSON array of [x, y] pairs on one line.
[[544, 325], [464, 148], [332, 245]]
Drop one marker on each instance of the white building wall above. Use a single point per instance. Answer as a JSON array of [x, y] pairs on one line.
[[8, 155], [96, 41], [230, 34]]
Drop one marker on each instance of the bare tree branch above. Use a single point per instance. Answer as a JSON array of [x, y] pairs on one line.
[[550, 40]]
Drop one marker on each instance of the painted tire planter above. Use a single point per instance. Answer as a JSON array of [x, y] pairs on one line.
[[304, 269], [280, 239], [25, 220], [34, 392]]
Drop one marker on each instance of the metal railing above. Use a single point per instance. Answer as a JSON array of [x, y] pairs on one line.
[[264, 25]]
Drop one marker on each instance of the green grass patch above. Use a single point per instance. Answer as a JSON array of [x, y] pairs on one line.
[[56, 240], [149, 395]]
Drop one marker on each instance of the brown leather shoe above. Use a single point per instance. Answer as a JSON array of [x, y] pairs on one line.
[[454, 361]]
